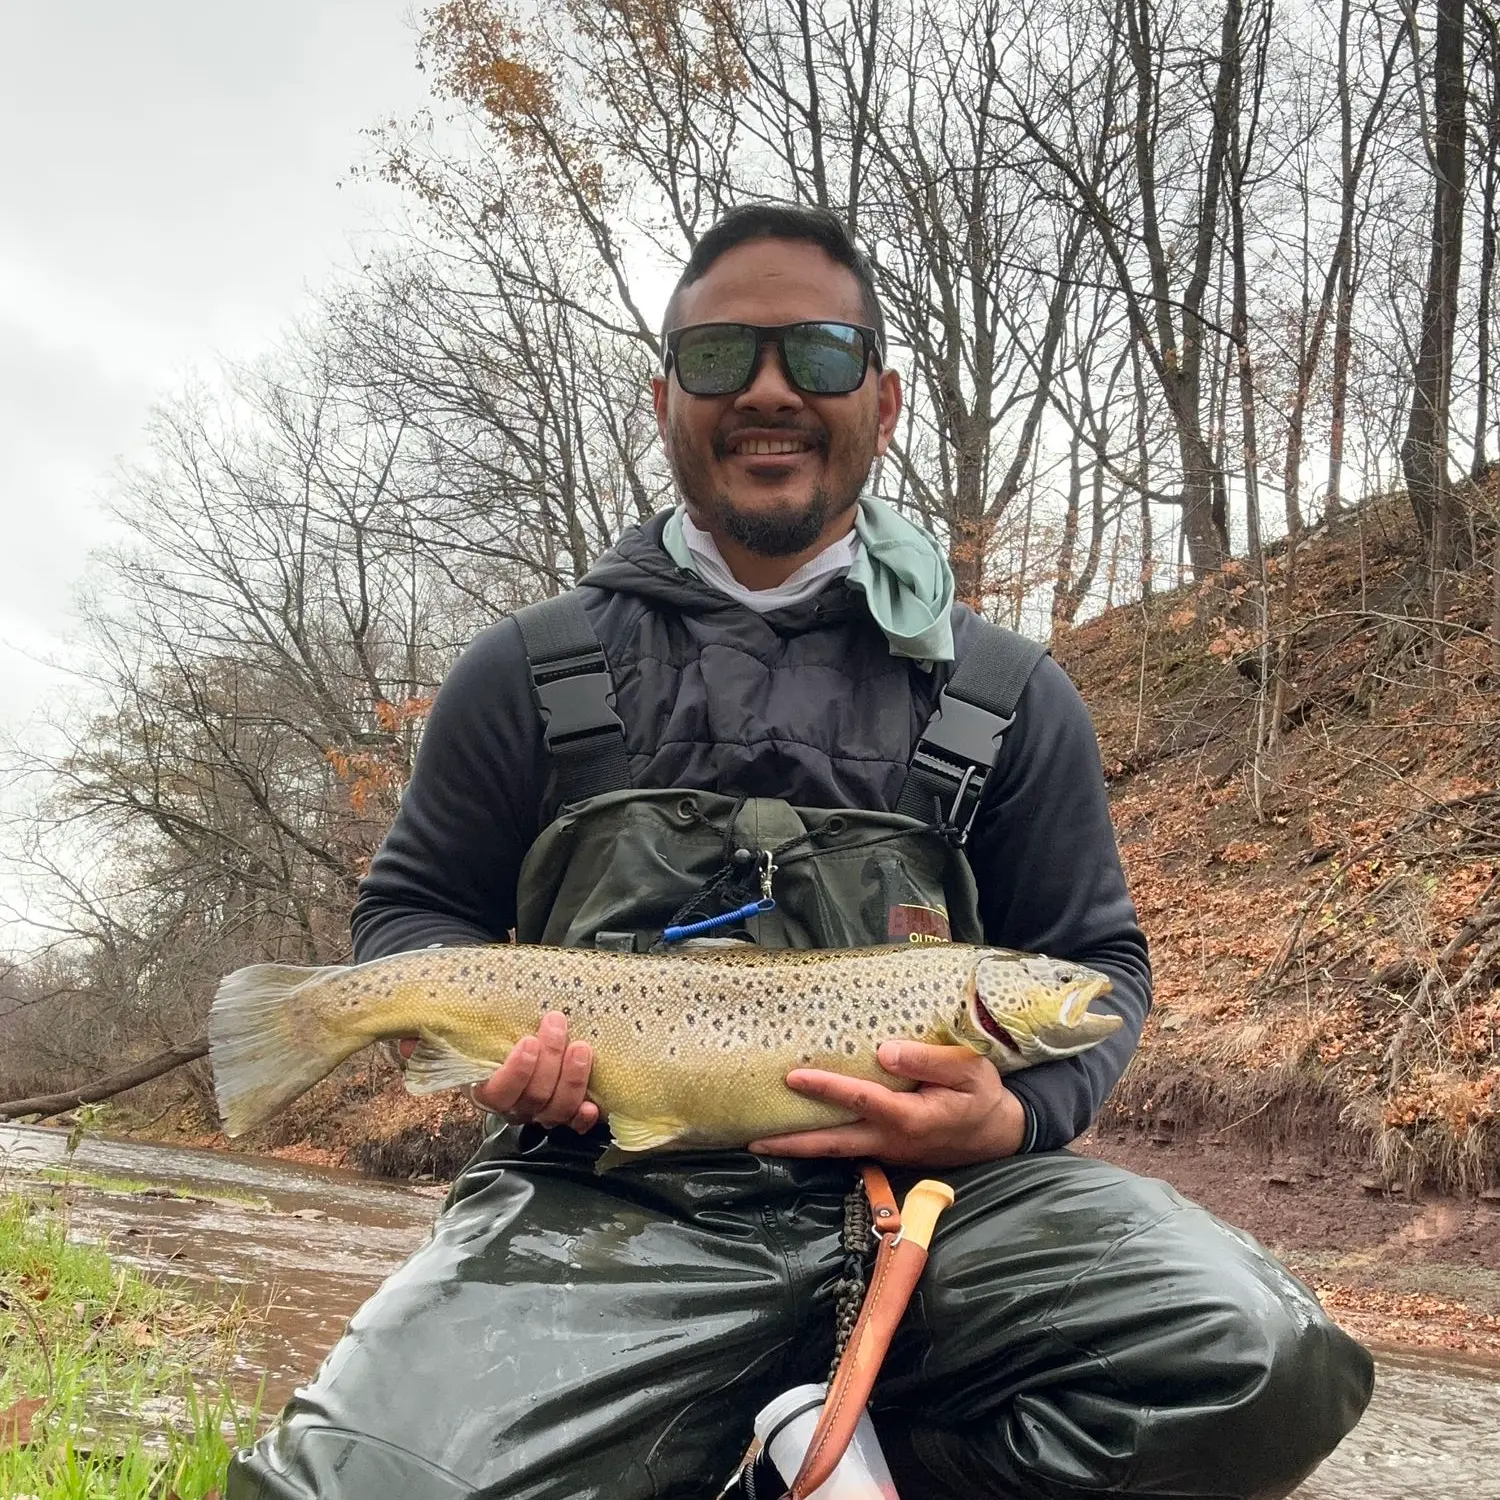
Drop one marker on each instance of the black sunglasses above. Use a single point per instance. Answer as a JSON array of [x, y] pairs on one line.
[[820, 359]]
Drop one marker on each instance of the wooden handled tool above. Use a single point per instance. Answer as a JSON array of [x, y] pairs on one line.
[[905, 1234]]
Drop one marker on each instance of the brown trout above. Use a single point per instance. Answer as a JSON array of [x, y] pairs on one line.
[[691, 1049]]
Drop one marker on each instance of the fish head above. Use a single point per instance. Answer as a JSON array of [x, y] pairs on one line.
[[1026, 1008]]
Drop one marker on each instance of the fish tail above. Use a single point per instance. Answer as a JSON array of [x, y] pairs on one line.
[[265, 1043]]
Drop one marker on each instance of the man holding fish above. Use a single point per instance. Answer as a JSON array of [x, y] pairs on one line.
[[709, 792]]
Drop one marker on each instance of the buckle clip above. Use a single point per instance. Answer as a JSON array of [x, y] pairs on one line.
[[959, 748], [576, 698]]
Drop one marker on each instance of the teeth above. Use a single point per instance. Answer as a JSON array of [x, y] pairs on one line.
[[759, 447]]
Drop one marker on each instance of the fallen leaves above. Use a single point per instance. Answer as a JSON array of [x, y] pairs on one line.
[[16, 1421]]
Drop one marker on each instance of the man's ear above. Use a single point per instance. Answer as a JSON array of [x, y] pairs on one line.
[[659, 402], [889, 392]]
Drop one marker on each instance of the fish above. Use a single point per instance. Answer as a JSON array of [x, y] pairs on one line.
[[691, 1048]]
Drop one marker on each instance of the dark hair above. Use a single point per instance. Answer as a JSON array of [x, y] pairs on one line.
[[781, 221]]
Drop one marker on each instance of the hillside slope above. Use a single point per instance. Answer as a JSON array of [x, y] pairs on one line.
[[1327, 942]]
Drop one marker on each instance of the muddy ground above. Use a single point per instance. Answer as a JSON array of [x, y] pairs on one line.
[[1395, 1269]]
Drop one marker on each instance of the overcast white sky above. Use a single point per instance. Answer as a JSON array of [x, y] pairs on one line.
[[169, 192]]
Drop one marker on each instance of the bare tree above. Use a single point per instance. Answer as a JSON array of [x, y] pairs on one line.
[[1424, 449], [1155, 210]]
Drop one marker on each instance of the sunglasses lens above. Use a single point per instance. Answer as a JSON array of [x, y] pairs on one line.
[[715, 359], [825, 359]]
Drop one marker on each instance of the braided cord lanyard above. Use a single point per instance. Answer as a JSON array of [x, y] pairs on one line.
[[849, 1289]]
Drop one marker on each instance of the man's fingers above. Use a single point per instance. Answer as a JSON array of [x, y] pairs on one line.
[[552, 1039], [952, 1067], [569, 1096], [870, 1101], [502, 1090]]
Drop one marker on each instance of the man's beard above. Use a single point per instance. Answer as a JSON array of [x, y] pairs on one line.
[[780, 531]]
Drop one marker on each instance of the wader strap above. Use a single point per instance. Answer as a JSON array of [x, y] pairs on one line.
[[904, 1237], [575, 694], [961, 742]]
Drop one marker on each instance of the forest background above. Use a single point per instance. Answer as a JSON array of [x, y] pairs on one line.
[[1194, 309]]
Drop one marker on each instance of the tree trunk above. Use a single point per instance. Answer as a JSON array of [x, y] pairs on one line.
[[1424, 450], [1143, 476], [1205, 527], [1487, 242], [1062, 586], [106, 1088]]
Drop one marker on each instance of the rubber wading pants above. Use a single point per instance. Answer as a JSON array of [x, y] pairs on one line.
[[1079, 1332]]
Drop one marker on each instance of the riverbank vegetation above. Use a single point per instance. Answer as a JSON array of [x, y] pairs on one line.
[[1194, 311], [111, 1383]]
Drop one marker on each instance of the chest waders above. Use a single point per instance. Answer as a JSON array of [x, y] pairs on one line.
[[635, 869]]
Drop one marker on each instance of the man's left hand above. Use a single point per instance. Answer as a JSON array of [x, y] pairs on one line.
[[959, 1114]]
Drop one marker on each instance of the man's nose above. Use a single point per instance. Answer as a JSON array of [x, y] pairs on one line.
[[769, 388]]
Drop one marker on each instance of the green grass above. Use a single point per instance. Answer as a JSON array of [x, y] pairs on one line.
[[100, 1182], [131, 1374]]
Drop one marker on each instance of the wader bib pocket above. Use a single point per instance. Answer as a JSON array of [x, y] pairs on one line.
[[617, 869]]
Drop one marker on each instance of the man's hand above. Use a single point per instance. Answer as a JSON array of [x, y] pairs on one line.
[[960, 1114], [543, 1081]]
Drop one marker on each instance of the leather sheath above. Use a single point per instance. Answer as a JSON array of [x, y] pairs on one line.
[[898, 1268]]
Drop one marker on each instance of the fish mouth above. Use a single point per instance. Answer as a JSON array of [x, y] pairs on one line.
[[1072, 1011]]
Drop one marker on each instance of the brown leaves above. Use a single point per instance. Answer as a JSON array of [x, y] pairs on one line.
[[16, 1420]]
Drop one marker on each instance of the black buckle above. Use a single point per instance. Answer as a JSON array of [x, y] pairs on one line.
[[959, 748], [575, 698]]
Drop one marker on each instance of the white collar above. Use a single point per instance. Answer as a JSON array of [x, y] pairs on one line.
[[808, 580]]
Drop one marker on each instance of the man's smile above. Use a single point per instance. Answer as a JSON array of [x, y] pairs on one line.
[[769, 452], [757, 447]]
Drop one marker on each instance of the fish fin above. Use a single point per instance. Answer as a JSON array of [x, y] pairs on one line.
[[262, 1055], [436, 1064], [644, 1135]]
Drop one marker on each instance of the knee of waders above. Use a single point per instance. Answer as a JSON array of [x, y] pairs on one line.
[[329, 1463], [1318, 1379]]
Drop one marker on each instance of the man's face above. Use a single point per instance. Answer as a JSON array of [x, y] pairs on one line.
[[774, 503]]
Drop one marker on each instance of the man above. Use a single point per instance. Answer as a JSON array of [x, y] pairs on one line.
[[775, 648]]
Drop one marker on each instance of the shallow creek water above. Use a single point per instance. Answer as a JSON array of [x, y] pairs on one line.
[[306, 1245]]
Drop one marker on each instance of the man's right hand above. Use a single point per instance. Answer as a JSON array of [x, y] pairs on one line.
[[544, 1081]]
